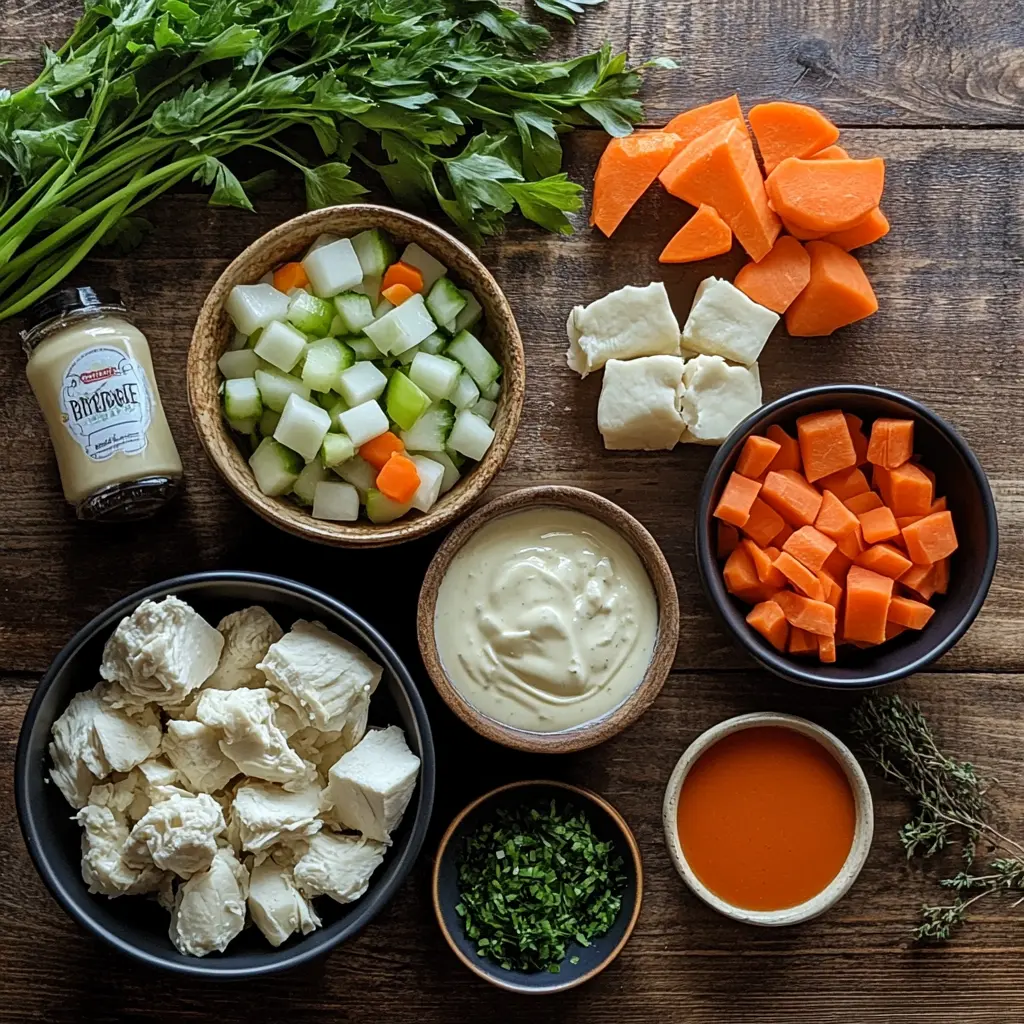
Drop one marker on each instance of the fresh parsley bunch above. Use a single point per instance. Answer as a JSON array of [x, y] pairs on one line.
[[440, 99]]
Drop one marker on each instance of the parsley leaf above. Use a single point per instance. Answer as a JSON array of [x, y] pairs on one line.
[[330, 185], [565, 9]]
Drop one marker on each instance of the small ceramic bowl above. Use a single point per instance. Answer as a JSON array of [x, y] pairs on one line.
[[213, 331], [608, 826], [599, 729], [959, 477], [862, 834]]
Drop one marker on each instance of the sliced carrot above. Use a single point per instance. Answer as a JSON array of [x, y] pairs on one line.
[[860, 441], [789, 129], [704, 235], [940, 576], [911, 491], [802, 642], [403, 273], [764, 523], [756, 456], [399, 479], [834, 519], [762, 559], [939, 505], [779, 277], [920, 579], [817, 617], [719, 168], [891, 443], [870, 229], [397, 293], [883, 559], [800, 576], [741, 578], [377, 451], [837, 564], [831, 153], [625, 171], [861, 503], [691, 124], [810, 547], [878, 524], [802, 234], [726, 540], [289, 276], [789, 453], [825, 195], [838, 294], [912, 614], [737, 497], [845, 484], [825, 444], [931, 539], [867, 605], [770, 621]]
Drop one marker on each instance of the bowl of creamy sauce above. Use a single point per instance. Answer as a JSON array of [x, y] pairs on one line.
[[549, 619]]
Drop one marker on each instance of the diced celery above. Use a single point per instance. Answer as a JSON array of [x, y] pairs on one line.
[[275, 387], [336, 501], [337, 327], [310, 314], [370, 287], [382, 308], [405, 401], [375, 250], [406, 357], [281, 345], [248, 426], [268, 422], [405, 326], [363, 347], [275, 467], [479, 363], [444, 300], [238, 341], [335, 411], [361, 383], [469, 314], [354, 310], [465, 394], [471, 435], [336, 449], [325, 361], [436, 375], [358, 472], [304, 487], [364, 422], [430, 432], [242, 399], [381, 509], [252, 306], [485, 409], [452, 475], [433, 344], [430, 268], [431, 477], [302, 427], [242, 362], [333, 268], [491, 391]]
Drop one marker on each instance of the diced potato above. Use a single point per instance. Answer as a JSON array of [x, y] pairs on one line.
[[725, 322], [639, 404]]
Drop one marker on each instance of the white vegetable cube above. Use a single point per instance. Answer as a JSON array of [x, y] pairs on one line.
[[363, 422], [361, 383], [725, 322], [320, 241], [465, 394], [275, 467], [402, 327], [430, 268], [302, 427], [639, 404], [436, 375], [275, 388], [333, 268], [336, 500], [252, 306], [281, 345], [717, 397], [242, 399], [471, 436], [358, 472], [431, 477], [469, 314], [485, 409], [304, 489], [241, 362]]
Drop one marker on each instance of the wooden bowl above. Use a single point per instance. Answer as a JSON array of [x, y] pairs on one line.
[[213, 331], [608, 825], [599, 729]]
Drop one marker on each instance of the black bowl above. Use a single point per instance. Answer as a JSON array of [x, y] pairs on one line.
[[959, 477], [608, 826], [136, 925]]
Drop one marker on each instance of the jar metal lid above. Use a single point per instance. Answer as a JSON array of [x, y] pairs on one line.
[[64, 304]]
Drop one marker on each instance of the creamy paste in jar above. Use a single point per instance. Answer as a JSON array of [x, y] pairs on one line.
[[545, 619]]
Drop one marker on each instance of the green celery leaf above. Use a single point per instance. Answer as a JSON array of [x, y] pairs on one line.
[[227, 189], [615, 116], [330, 185], [512, 28], [179, 10], [128, 14], [126, 234], [188, 109], [547, 201], [411, 102], [280, 87], [260, 183], [542, 152], [33, 151], [326, 133], [234, 41], [330, 94], [164, 35], [565, 9], [309, 12], [75, 71]]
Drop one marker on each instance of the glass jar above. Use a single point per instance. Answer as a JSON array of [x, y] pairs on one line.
[[91, 371]]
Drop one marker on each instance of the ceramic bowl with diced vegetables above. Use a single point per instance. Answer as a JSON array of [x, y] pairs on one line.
[[357, 376]]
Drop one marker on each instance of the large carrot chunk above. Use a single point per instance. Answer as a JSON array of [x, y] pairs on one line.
[[741, 578], [867, 605], [802, 642], [940, 575], [906, 612], [704, 235], [831, 153], [625, 171], [826, 195], [756, 456], [860, 441], [789, 129], [873, 227], [910, 490], [763, 559], [779, 278], [861, 503], [737, 497], [825, 444], [920, 579], [792, 497], [810, 547], [770, 621], [817, 617], [885, 560], [764, 523], [720, 169], [802, 233], [891, 443], [800, 576], [930, 539], [838, 293], [834, 519], [878, 524], [726, 540], [846, 484], [789, 454], [691, 124]]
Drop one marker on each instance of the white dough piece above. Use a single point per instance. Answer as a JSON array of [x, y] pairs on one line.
[[266, 814], [321, 677], [625, 324], [104, 838], [639, 404], [194, 750], [337, 866], [725, 322], [278, 908], [248, 635], [370, 787], [717, 397], [178, 834], [209, 909], [162, 651]]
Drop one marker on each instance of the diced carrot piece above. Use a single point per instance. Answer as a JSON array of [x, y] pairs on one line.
[[783, 535], [402, 273], [397, 293], [802, 234], [719, 168], [785, 129], [764, 523], [860, 441], [802, 642], [810, 547], [817, 617], [779, 277], [825, 195], [625, 171], [939, 505], [883, 559], [931, 539], [861, 503], [838, 294], [399, 479], [920, 579], [691, 124], [867, 230], [762, 559], [378, 450], [845, 484], [831, 153], [835, 520], [741, 578], [902, 521], [837, 564], [825, 444], [911, 491], [827, 649], [770, 621], [893, 629], [867, 605], [853, 544], [737, 497], [892, 442], [940, 576], [878, 524], [727, 539], [789, 449], [800, 576], [756, 456], [912, 614], [289, 276], [704, 235], [791, 496]]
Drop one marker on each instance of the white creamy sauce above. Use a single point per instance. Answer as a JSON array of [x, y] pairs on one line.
[[545, 619]]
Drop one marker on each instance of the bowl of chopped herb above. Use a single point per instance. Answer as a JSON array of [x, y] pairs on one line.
[[568, 862]]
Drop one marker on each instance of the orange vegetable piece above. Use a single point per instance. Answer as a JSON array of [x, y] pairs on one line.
[[837, 564], [838, 294], [289, 276], [770, 621], [827, 649], [789, 129], [783, 535], [834, 519], [737, 497], [810, 547], [741, 580], [378, 450], [825, 195], [911, 491], [727, 539], [939, 505], [830, 153], [878, 524], [892, 442], [860, 441], [791, 496], [817, 617], [885, 560], [719, 168], [800, 576], [912, 614], [853, 544], [873, 227], [764, 523], [861, 503], [920, 579], [402, 273], [825, 444], [779, 277], [625, 171], [399, 479], [789, 454], [756, 456], [831, 589], [397, 293], [845, 484], [802, 642], [691, 124], [763, 559], [931, 539], [940, 576], [704, 235], [868, 595], [802, 234], [902, 521]]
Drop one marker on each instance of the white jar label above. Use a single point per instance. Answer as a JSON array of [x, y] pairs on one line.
[[105, 403]]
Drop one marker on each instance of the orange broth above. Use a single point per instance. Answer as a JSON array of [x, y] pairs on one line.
[[766, 818]]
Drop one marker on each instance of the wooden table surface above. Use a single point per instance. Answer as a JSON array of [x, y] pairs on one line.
[[937, 88]]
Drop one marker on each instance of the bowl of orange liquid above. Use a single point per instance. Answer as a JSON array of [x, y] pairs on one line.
[[768, 818]]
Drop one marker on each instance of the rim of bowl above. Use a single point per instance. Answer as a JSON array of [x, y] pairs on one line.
[[863, 825], [587, 794], [296, 955], [597, 730], [226, 456], [789, 668]]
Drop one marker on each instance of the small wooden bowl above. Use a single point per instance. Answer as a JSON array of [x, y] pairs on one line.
[[608, 825], [599, 729], [213, 332]]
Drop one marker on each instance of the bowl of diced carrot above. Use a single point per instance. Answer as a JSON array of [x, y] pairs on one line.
[[847, 535]]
